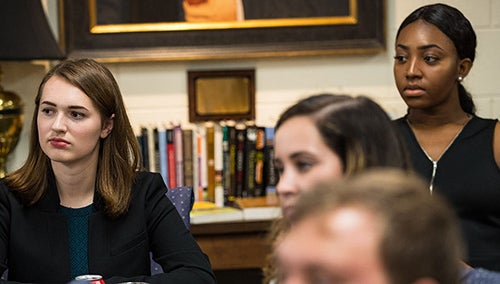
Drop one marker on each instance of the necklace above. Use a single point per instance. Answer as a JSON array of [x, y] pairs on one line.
[[435, 162]]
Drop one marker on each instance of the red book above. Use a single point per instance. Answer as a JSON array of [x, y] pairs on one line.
[[171, 159]]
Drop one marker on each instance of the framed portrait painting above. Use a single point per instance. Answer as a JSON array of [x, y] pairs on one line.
[[138, 30]]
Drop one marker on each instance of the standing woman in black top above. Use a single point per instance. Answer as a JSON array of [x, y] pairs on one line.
[[455, 150], [81, 204]]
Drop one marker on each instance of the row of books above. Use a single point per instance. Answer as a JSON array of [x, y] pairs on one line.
[[222, 161]]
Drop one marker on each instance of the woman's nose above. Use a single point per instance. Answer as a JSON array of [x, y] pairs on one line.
[[59, 123], [286, 184], [413, 69]]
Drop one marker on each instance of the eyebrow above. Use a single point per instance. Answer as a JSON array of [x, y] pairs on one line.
[[301, 153], [54, 105], [423, 47]]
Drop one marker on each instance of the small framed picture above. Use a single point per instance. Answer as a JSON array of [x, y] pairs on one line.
[[221, 95]]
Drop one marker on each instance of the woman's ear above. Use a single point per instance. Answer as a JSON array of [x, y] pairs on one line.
[[107, 127], [464, 66]]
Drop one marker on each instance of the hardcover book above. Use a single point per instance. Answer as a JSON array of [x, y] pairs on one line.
[[259, 208], [240, 159], [210, 146], [187, 139], [208, 212], [145, 147], [260, 143], [155, 152], [179, 155], [270, 173], [171, 159], [218, 165], [162, 149], [201, 164], [230, 175], [249, 158]]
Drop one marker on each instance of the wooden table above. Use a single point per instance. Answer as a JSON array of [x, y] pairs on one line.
[[234, 245]]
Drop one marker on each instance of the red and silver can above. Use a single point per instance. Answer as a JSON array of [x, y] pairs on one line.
[[92, 279]]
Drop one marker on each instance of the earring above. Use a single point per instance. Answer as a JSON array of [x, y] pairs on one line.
[[460, 79]]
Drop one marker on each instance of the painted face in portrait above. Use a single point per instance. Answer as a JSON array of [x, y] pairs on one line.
[[303, 160]]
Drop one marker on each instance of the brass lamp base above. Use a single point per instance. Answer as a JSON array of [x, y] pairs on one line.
[[11, 123]]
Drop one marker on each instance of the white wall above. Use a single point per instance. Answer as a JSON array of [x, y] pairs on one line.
[[157, 91]]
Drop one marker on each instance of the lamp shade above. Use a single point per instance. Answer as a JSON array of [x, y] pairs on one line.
[[25, 33]]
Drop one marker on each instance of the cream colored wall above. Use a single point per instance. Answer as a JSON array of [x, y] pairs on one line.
[[157, 92]]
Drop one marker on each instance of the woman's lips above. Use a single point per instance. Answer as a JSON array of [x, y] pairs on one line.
[[413, 91], [58, 143]]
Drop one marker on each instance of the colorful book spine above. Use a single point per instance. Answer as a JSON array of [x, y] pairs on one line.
[[162, 149], [231, 175], [240, 159], [200, 163], [171, 159], [195, 163], [226, 176], [179, 155], [156, 150], [218, 165], [210, 135], [270, 172], [145, 147], [151, 149], [187, 139], [249, 159], [260, 143]]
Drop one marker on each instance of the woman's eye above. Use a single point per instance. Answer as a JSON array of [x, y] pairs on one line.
[[431, 59], [304, 166], [77, 115], [400, 58], [47, 111]]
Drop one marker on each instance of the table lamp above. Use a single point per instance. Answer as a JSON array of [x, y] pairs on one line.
[[24, 35]]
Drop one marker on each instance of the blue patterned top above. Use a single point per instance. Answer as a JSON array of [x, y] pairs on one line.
[[480, 276], [78, 227]]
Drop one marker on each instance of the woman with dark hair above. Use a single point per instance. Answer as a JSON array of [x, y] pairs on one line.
[[81, 204], [332, 136], [457, 152], [324, 138]]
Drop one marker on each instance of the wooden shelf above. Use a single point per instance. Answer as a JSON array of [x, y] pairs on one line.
[[234, 245]]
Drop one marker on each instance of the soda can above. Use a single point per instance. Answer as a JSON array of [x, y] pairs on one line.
[[92, 279]]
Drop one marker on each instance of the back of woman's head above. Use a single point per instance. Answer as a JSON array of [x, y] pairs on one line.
[[451, 22], [355, 128]]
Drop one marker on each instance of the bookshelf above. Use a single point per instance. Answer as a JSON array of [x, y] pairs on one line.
[[236, 241], [222, 160]]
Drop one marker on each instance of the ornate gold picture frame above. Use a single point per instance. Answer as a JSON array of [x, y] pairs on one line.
[[355, 26]]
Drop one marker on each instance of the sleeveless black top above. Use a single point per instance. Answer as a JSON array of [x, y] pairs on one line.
[[468, 176]]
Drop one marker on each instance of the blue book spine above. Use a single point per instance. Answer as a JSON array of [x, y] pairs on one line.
[[162, 148]]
